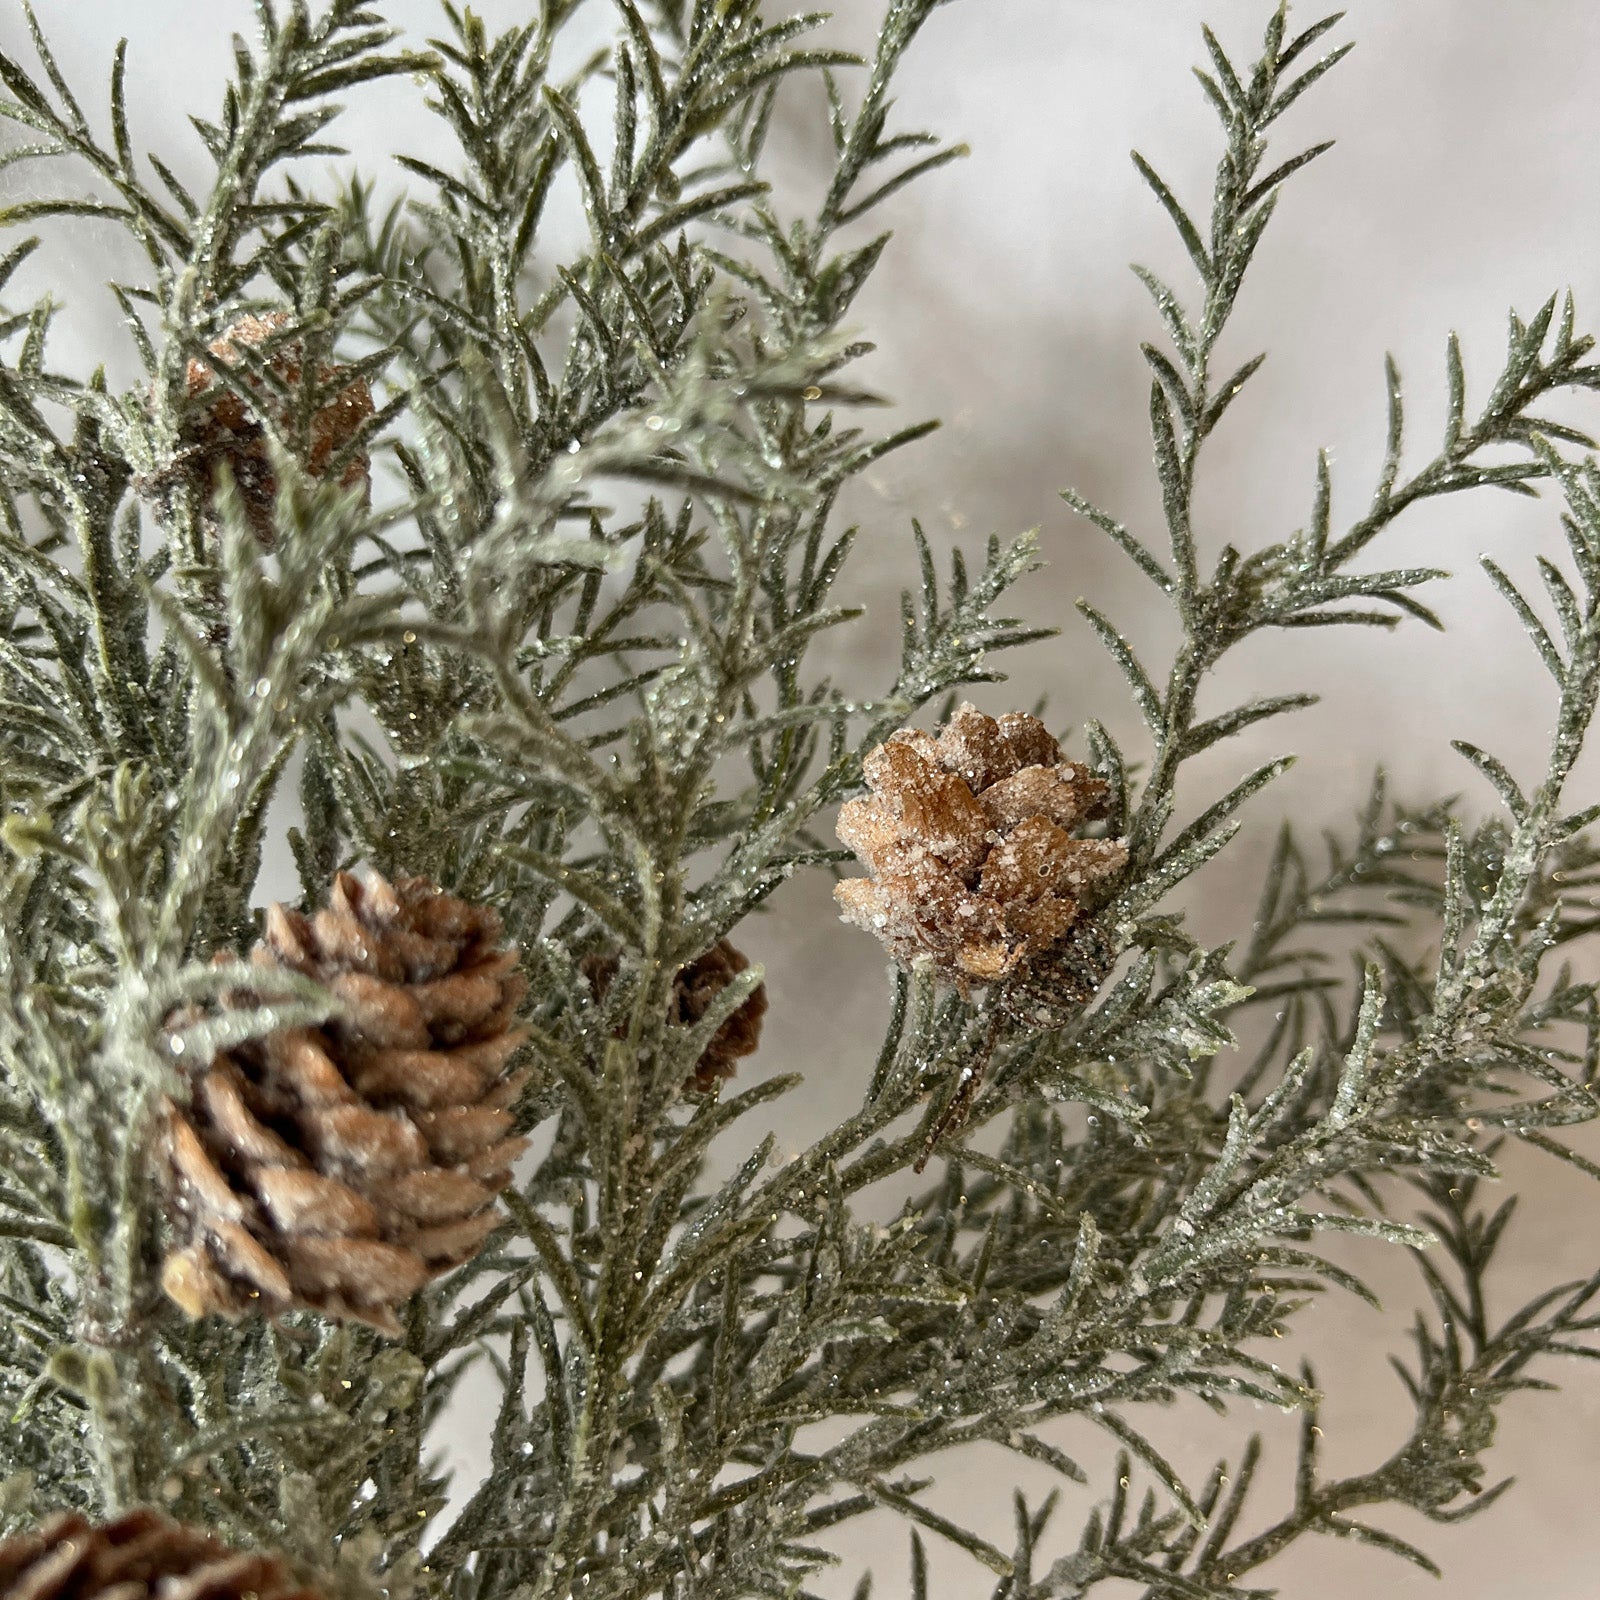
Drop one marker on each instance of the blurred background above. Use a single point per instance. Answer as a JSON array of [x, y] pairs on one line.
[[1465, 182]]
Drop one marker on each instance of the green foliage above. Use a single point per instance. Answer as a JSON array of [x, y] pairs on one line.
[[562, 662]]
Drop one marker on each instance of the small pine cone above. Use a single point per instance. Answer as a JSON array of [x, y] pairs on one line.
[[693, 991], [223, 428], [141, 1553], [340, 1168], [970, 840]]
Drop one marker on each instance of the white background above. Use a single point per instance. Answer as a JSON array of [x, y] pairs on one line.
[[1466, 180]]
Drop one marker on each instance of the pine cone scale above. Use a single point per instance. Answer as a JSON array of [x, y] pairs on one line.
[[465, 1132], [492, 1167], [287, 942], [192, 1165], [49, 1576], [347, 1273], [374, 1144], [381, 1015], [419, 1080], [464, 1000], [440, 1194], [1065, 799], [490, 1054], [224, 1095], [308, 1202], [302, 1070], [238, 1252], [451, 1243]]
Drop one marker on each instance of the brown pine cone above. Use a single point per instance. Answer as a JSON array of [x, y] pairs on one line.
[[223, 428], [969, 837], [141, 1553], [693, 991], [340, 1168]]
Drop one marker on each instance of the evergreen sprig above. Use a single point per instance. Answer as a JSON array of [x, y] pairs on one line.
[[559, 657]]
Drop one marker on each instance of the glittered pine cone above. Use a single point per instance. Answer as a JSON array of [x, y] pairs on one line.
[[693, 992], [340, 1168], [969, 837], [224, 428], [140, 1553]]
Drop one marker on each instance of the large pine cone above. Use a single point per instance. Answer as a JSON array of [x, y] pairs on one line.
[[340, 1168], [141, 1553], [969, 837], [224, 428]]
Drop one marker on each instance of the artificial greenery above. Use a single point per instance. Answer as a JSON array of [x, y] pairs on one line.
[[559, 662]]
